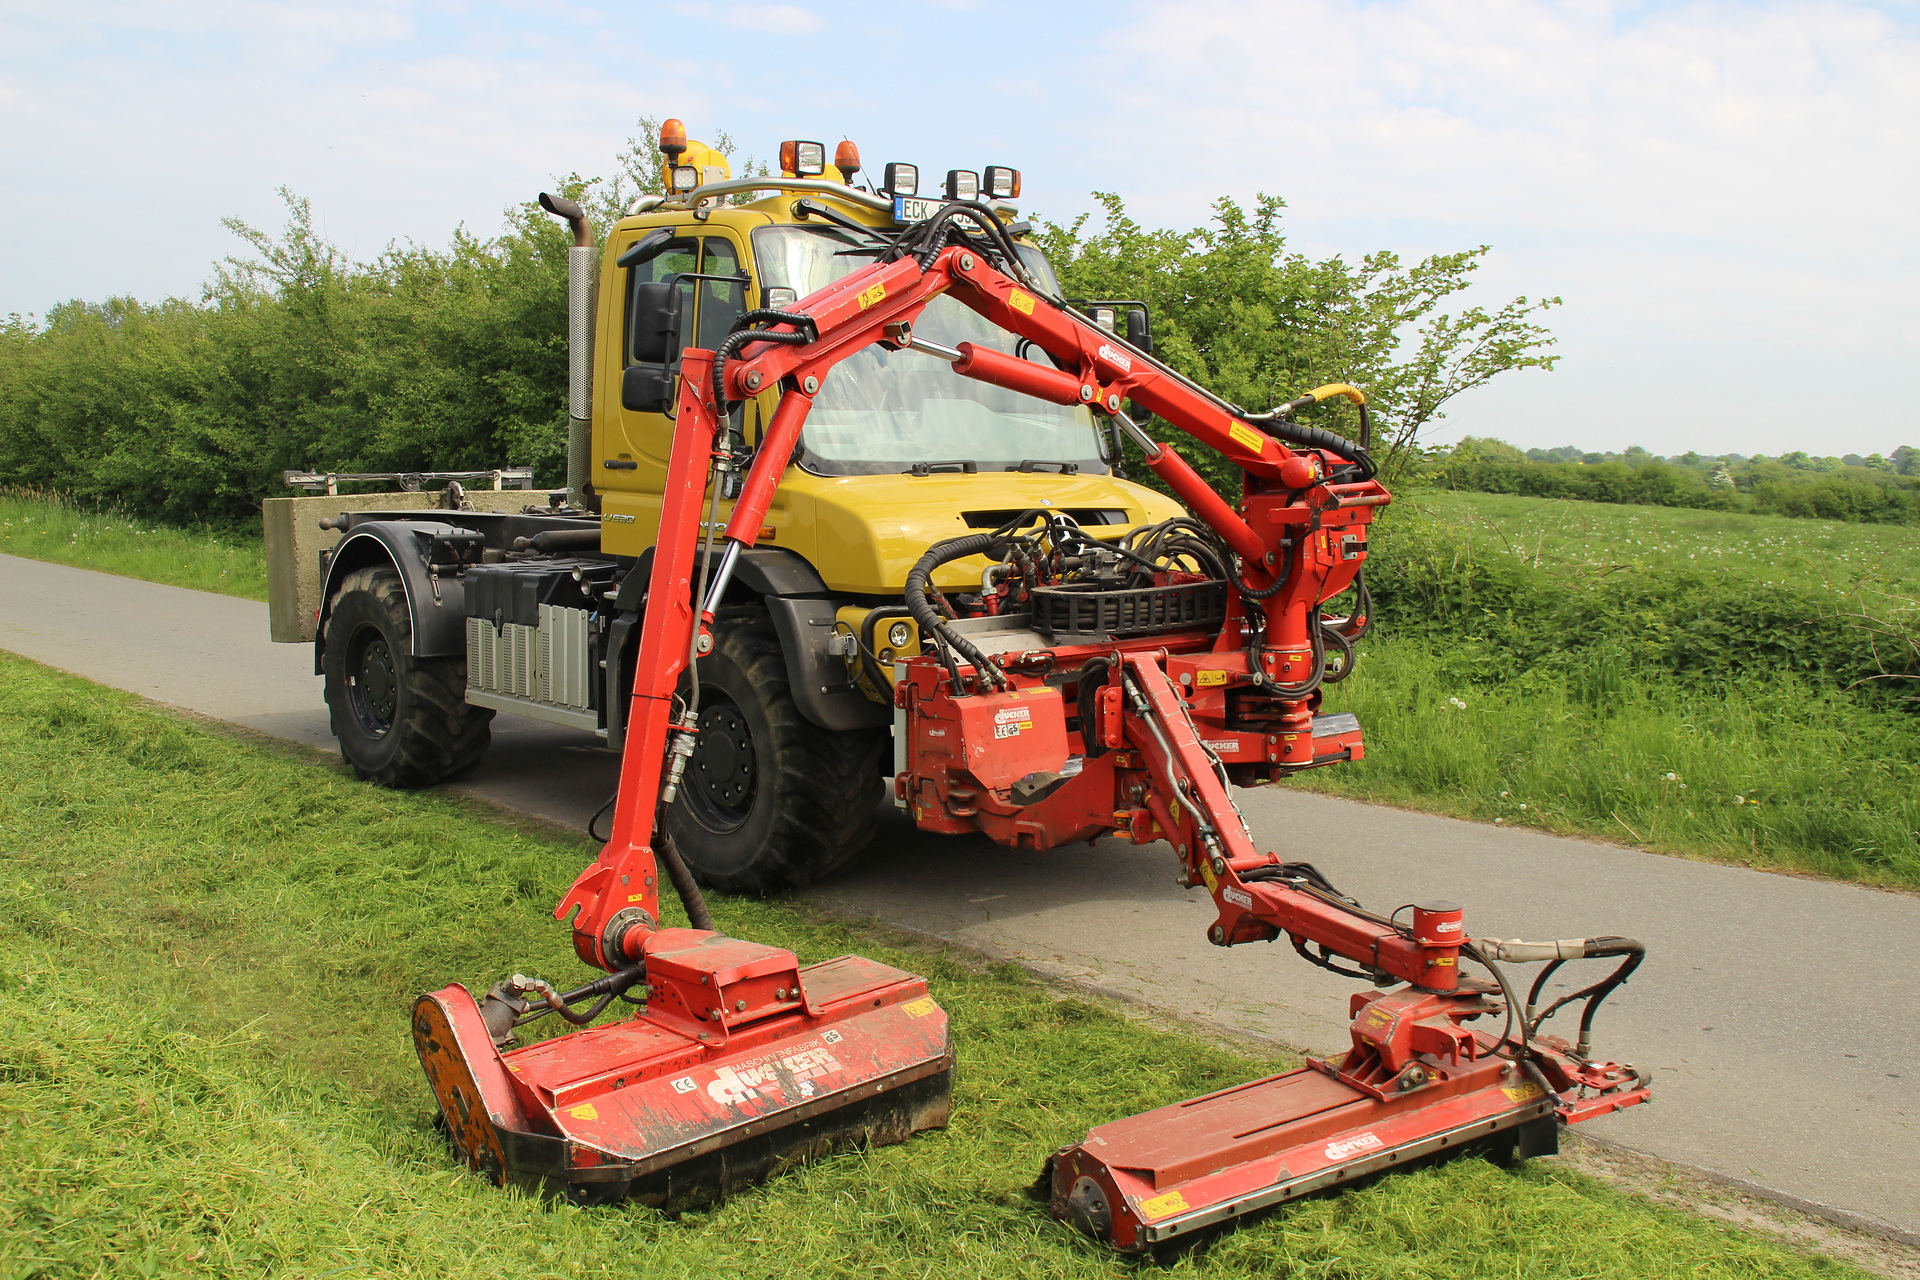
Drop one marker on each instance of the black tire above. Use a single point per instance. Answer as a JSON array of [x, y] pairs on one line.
[[771, 800], [402, 721]]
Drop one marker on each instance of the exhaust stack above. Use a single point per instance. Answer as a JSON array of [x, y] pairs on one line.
[[583, 286]]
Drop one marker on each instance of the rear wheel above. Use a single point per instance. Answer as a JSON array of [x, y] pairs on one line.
[[771, 800], [402, 721]]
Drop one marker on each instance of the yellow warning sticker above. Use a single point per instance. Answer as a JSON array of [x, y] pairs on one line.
[[1205, 678], [584, 1111], [919, 1008], [1021, 302], [872, 294], [1247, 436], [1524, 1092], [1163, 1206]]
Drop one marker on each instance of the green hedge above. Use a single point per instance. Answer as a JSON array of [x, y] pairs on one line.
[[1858, 494], [420, 360]]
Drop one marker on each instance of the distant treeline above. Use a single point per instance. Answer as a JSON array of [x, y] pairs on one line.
[[1870, 490]]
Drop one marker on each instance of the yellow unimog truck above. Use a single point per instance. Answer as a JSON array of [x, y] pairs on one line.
[[425, 622]]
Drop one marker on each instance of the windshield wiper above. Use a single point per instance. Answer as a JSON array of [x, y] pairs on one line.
[[814, 209], [1031, 465], [966, 465]]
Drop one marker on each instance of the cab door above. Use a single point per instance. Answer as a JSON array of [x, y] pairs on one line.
[[704, 265]]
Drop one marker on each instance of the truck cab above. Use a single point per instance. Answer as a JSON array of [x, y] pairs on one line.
[[425, 623]]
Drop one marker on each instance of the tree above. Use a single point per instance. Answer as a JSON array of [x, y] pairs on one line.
[[1486, 449], [1258, 323]]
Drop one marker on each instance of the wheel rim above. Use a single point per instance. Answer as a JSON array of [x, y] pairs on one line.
[[722, 781], [373, 682]]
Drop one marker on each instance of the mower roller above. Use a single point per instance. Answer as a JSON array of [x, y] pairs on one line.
[[1094, 686]]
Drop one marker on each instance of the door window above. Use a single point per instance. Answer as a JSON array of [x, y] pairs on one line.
[[721, 301], [708, 308], [678, 257]]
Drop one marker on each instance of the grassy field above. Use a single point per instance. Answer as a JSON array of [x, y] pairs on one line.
[[1607, 536], [1679, 680], [207, 948], [1777, 773], [42, 528]]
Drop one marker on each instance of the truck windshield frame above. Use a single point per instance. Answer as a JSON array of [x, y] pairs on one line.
[[882, 412]]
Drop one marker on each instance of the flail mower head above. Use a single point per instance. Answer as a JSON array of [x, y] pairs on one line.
[[742, 1064]]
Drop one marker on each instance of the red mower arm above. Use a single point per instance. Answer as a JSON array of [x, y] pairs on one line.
[[1287, 536]]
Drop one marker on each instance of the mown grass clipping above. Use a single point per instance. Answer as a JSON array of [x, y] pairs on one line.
[[207, 948]]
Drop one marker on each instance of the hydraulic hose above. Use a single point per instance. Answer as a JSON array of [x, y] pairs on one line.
[[919, 580], [805, 331], [1276, 424], [1630, 952], [683, 882]]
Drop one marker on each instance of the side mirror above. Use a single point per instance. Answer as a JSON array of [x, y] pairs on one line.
[[647, 388], [646, 248], [1140, 329], [655, 322]]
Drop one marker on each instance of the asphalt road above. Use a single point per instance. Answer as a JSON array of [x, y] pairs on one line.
[[1776, 1013]]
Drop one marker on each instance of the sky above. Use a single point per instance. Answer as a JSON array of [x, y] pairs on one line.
[[1723, 195]]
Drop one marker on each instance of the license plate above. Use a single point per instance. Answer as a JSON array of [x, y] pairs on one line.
[[915, 208]]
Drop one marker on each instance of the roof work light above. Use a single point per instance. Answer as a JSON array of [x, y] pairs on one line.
[[900, 179], [963, 184], [1003, 183], [802, 159]]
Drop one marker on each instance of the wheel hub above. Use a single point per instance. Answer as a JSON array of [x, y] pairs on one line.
[[723, 761], [373, 683]]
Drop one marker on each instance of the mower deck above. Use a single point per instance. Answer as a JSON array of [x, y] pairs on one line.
[[1143, 1181], [651, 1107]]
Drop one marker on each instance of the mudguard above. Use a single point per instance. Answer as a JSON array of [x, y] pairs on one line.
[[436, 604]]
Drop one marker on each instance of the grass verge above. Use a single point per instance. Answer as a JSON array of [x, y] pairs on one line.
[[41, 527], [206, 952], [1773, 772]]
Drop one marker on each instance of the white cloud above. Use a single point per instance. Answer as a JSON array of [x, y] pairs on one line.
[[398, 121], [1702, 183]]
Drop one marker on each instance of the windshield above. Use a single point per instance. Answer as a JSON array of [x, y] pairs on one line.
[[884, 411]]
